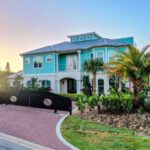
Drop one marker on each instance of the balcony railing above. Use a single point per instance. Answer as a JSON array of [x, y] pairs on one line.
[[63, 67]]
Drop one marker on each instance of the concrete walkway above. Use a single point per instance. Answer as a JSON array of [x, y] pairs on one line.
[[7, 145], [31, 124]]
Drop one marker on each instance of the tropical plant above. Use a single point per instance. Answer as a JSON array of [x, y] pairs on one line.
[[69, 95], [81, 101], [17, 81], [134, 65], [4, 82], [34, 84], [86, 85], [93, 66]]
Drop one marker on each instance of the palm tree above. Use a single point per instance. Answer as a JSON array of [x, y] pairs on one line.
[[93, 66], [134, 65]]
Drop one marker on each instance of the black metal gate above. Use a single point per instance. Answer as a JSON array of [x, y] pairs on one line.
[[39, 99]]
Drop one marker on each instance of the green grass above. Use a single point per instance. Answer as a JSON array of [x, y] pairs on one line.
[[88, 135]]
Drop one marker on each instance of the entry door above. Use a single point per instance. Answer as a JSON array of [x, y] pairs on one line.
[[71, 86]]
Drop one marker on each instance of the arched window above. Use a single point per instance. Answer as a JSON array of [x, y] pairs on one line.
[[46, 83], [100, 86]]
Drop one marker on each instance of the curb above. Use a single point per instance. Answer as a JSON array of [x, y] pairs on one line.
[[23, 143], [59, 135]]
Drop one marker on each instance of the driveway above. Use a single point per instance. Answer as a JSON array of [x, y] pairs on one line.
[[31, 124]]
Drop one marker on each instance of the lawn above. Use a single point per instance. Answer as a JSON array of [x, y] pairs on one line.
[[88, 135]]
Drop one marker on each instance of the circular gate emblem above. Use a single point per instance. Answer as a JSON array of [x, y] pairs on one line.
[[47, 102], [13, 99]]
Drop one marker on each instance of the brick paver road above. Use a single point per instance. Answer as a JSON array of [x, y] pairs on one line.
[[31, 124]]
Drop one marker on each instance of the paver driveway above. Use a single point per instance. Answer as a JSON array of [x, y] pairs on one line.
[[31, 124]]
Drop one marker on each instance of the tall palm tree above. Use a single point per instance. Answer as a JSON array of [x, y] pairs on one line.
[[134, 65], [93, 66]]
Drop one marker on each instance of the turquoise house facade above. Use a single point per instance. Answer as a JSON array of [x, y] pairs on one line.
[[60, 66]]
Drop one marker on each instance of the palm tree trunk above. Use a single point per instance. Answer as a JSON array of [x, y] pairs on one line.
[[149, 80], [94, 83], [120, 85]]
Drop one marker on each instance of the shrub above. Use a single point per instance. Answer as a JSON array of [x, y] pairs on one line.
[[71, 96], [87, 90], [147, 103], [81, 101]]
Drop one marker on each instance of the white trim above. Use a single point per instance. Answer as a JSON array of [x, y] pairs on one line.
[[79, 60], [106, 49], [23, 143], [59, 135], [28, 75], [57, 62]]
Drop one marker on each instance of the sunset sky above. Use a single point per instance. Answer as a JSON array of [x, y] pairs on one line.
[[30, 24]]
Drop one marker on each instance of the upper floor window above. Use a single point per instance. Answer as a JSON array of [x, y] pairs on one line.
[[49, 58], [27, 60], [100, 55], [73, 39], [80, 38], [38, 62], [111, 56], [88, 37]]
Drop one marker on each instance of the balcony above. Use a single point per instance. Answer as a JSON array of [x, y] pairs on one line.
[[63, 67]]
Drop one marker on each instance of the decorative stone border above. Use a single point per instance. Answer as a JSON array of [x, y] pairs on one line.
[[59, 135], [22, 142]]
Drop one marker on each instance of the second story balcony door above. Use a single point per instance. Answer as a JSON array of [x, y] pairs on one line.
[[72, 62]]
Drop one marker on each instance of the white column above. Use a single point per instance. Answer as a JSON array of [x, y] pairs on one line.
[[106, 84], [78, 86], [58, 86], [57, 63], [106, 55], [79, 60]]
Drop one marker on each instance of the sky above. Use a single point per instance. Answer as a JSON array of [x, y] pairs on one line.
[[29, 24]]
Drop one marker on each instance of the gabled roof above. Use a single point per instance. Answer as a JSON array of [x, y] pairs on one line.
[[69, 46], [14, 75]]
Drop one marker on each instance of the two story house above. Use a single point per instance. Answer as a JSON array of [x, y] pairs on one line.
[[60, 66]]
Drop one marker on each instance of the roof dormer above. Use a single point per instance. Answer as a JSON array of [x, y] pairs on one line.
[[84, 37]]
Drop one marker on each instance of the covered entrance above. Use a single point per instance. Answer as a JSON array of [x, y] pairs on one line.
[[68, 85]]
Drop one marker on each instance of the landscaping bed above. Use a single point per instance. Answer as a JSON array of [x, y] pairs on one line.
[[88, 135], [136, 121]]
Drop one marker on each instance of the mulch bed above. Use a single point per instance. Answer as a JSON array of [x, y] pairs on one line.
[[134, 121]]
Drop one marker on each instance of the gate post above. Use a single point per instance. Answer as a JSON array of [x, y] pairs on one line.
[[55, 111]]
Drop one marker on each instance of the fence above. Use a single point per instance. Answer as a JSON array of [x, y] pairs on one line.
[[39, 99]]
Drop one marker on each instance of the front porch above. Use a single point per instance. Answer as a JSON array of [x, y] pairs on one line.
[[68, 85]]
